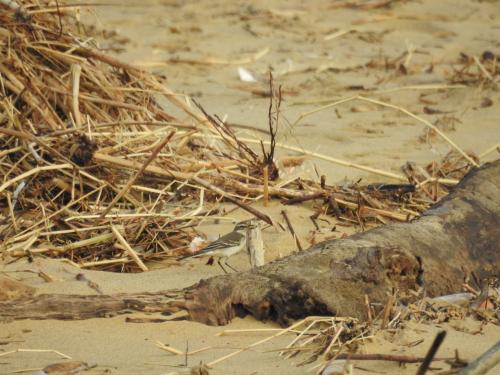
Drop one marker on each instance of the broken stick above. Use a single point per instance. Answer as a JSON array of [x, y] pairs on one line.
[[132, 180]]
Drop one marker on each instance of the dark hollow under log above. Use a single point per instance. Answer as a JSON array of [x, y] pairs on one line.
[[457, 236]]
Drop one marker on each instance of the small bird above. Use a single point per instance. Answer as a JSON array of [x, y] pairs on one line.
[[227, 245]]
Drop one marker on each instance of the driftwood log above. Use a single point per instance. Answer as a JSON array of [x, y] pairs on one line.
[[457, 237]]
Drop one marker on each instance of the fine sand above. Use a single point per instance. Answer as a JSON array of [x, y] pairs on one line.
[[210, 40]]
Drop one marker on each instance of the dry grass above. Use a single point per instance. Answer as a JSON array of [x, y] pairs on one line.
[[94, 169], [76, 127]]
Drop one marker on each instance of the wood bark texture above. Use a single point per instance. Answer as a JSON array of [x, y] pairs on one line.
[[457, 236]]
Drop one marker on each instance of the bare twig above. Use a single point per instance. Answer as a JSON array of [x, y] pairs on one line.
[[292, 231], [431, 353], [129, 249], [132, 180]]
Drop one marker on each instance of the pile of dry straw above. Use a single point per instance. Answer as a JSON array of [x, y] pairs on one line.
[[95, 170]]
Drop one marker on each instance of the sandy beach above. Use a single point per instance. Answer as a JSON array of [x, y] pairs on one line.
[[406, 55]]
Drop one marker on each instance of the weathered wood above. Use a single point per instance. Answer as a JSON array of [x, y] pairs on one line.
[[459, 235], [75, 307], [484, 363], [255, 245]]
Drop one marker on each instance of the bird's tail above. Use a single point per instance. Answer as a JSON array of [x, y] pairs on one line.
[[197, 255]]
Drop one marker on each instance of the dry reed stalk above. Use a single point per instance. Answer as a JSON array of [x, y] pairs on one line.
[[373, 211], [76, 71], [388, 105], [132, 180], [36, 351], [302, 333], [32, 172], [79, 136], [168, 348], [303, 344], [266, 185], [129, 249], [386, 91], [333, 341], [102, 238], [260, 342], [336, 338], [368, 309], [482, 68], [254, 330], [330, 159], [387, 310], [106, 262], [338, 34], [488, 151], [208, 60], [292, 231]]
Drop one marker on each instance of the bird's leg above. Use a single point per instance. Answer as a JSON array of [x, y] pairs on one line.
[[220, 264], [227, 264]]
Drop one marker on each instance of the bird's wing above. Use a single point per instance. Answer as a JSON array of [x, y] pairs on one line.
[[228, 240]]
